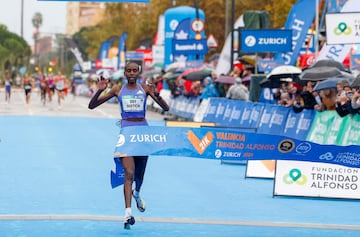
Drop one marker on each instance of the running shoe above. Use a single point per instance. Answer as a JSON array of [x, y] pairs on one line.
[[140, 203], [129, 221]]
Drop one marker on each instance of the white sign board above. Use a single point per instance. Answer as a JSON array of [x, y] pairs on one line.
[[158, 52], [312, 179], [260, 169], [343, 28]]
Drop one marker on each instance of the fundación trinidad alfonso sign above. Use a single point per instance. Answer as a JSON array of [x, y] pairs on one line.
[[343, 28]]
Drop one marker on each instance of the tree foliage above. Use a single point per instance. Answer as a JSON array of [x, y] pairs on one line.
[[140, 21], [14, 51]]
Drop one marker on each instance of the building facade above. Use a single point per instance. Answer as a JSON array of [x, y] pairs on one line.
[[82, 14]]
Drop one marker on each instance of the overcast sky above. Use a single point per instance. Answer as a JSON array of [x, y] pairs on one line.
[[54, 17]]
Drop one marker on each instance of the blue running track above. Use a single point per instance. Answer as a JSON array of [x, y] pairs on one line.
[[55, 181]]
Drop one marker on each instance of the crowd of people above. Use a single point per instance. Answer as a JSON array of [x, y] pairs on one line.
[[209, 86], [46, 85], [343, 99]]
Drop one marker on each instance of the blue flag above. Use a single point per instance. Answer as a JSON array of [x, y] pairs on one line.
[[299, 20]]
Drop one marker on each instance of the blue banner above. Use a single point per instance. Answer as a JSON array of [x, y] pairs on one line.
[[189, 47], [273, 119], [334, 6], [121, 50], [228, 144], [299, 20], [184, 107], [178, 22], [257, 41], [298, 124], [210, 114], [256, 113], [104, 49]]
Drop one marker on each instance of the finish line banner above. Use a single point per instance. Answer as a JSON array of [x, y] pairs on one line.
[[228, 144]]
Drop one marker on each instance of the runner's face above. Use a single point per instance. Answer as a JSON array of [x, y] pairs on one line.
[[132, 72]]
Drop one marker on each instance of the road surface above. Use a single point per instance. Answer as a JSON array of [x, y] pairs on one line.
[[70, 107]]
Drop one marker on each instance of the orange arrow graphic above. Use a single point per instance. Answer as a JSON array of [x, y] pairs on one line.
[[200, 145]]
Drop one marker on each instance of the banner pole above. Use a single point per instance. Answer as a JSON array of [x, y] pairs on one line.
[[316, 29]]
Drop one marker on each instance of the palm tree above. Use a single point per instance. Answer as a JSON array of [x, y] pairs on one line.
[[37, 22]]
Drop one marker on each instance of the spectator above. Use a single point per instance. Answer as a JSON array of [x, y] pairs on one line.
[[285, 99], [340, 87], [343, 98], [355, 101], [220, 87], [209, 89], [328, 100], [235, 72], [298, 103], [308, 96], [238, 91], [195, 89], [343, 105], [246, 77], [180, 88], [293, 90]]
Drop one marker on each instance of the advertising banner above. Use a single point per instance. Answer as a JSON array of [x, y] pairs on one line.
[[75, 50], [178, 22], [104, 50], [273, 119], [215, 110], [339, 52], [355, 62], [299, 20], [298, 124], [228, 144], [316, 180], [184, 107], [351, 132], [320, 127], [122, 51], [335, 5], [343, 28], [311, 179], [257, 41], [189, 47], [260, 169]]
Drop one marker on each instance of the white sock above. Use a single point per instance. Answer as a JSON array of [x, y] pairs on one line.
[[127, 211]]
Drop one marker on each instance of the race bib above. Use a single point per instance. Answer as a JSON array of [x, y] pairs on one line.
[[133, 103]]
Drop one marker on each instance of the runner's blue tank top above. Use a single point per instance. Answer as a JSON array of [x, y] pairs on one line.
[[132, 102]]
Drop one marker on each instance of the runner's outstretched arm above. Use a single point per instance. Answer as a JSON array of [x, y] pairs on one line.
[[156, 97], [99, 99]]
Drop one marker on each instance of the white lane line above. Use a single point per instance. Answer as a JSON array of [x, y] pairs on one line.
[[184, 221]]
